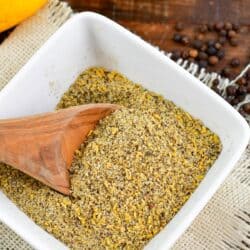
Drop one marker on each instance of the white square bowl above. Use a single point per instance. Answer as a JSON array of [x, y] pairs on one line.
[[89, 39]]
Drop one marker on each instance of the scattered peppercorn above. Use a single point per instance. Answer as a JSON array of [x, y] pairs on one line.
[[236, 26], [219, 26], [242, 90], [202, 55], [179, 26], [222, 40], [235, 62], [231, 33], [248, 75], [211, 51], [241, 81], [226, 72], [231, 90], [193, 53], [215, 82], [248, 88], [213, 60], [246, 108], [223, 32], [241, 97], [235, 101], [176, 54], [228, 26], [177, 37], [233, 42], [202, 64], [210, 42], [216, 90], [197, 44], [220, 54]]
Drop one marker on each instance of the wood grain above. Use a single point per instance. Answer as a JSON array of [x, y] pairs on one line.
[[154, 20], [43, 146]]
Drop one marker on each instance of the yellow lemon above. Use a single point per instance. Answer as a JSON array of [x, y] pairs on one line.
[[13, 12]]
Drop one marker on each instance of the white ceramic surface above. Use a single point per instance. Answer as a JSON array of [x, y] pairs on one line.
[[88, 39]]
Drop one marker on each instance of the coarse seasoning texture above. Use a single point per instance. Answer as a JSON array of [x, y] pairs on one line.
[[132, 175]]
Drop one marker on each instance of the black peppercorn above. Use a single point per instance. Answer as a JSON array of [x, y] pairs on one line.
[[233, 42], [248, 88], [234, 101], [231, 33], [241, 90], [231, 90], [197, 44], [247, 75], [220, 54], [210, 42], [229, 99], [236, 26], [211, 51], [216, 89], [241, 81], [241, 111], [222, 40], [177, 37], [241, 97], [228, 26], [223, 32], [219, 26], [179, 26], [235, 62], [215, 82], [176, 55], [202, 64], [202, 55], [213, 60], [226, 72], [246, 108]]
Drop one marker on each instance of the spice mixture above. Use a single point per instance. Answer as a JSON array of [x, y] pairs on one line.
[[132, 175]]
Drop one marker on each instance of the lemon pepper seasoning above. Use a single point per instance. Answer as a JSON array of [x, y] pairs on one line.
[[132, 175]]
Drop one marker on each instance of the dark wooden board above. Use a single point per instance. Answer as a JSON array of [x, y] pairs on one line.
[[154, 20]]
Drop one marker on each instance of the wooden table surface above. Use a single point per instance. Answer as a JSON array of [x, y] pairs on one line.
[[154, 20]]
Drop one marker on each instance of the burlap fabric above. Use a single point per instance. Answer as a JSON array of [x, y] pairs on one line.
[[224, 223]]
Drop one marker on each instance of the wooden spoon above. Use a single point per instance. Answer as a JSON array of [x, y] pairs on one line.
[[43, 146]]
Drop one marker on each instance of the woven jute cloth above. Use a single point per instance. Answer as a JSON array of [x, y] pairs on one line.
[[223, 224]]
